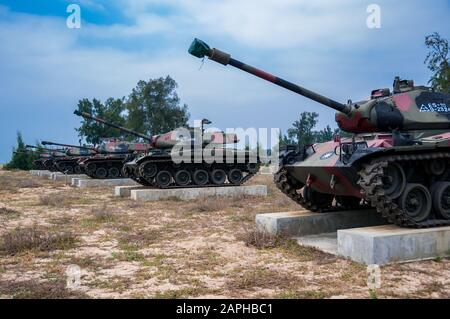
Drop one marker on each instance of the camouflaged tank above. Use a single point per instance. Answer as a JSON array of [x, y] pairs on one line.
[[398, 160], [70, 163], [219, 166], [47, 157]]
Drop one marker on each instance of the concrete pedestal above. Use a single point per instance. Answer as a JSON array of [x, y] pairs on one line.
[[125, 191], [45, 174], [36, 172], [193, 193], [84, 183], [67, 178], [389, 244], [303, 223]]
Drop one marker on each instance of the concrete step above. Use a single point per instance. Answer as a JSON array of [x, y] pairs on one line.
[[390, 244], [125, 191], [303, 223], [85, 183], [327, 242], [149, 194]]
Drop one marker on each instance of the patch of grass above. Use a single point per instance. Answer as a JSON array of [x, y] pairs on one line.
[[33, 289], [25, 239], [305, 294], [260, 239], [438, 259], [103, 214], [179, 293], [128, 255], [55, 200], [140, 239], [373, 294], [263, 278], [209, 204], [13, 183], [8, 213]]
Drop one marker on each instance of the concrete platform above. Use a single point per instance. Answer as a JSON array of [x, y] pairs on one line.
[[85, 183], [67, 178], [390, 244], [36, 172], [193, 193], [45, 174], [304, 223], [125, 191]]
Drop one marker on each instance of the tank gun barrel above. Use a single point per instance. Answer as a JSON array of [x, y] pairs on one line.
[[200, 49], [90, 117], [45, 149], [69, 145]]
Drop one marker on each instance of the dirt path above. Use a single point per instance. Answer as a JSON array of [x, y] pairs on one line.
[[172, 249]]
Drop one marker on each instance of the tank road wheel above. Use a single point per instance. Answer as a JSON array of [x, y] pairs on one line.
[[91, 168], [218, 176], [315, 199], [68, 169], [437, 167], [101, 172], [78, 169], [148, 170], [183, 178], [440, 193], [200, 177], [416, 202], [163, 179], [235, 176], [253, 168], [113, 172], [394, 181]]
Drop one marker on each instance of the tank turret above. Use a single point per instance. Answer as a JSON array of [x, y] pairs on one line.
[[407, 108], [74, 150], [169, 139], [54, 152]]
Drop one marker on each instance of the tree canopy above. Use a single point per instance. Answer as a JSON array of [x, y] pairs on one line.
[[153, 107], [21, 159], [438, 62]]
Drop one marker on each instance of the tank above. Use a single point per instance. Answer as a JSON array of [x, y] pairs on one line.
[[396, 162], [156, 167], [70, 163], [47, 158]]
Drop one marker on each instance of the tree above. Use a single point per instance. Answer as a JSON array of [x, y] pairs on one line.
[[302, 131], [112, 111], [324, 135], [21, 159], [154, 107], [438, 62]]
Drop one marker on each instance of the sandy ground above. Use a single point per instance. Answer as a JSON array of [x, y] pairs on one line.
[[175, 249]]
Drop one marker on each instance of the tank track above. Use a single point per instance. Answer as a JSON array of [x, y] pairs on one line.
[[153, 183], [289, 188], [371, 188]]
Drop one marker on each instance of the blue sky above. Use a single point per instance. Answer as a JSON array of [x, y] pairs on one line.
[[326, 46]]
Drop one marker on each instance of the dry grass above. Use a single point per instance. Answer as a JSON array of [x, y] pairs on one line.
[[263, 278], [26, 239], [255, 237], [34, 289], [7, 212], [176, 249], [13, 183], [209, 204], [104, 214]]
